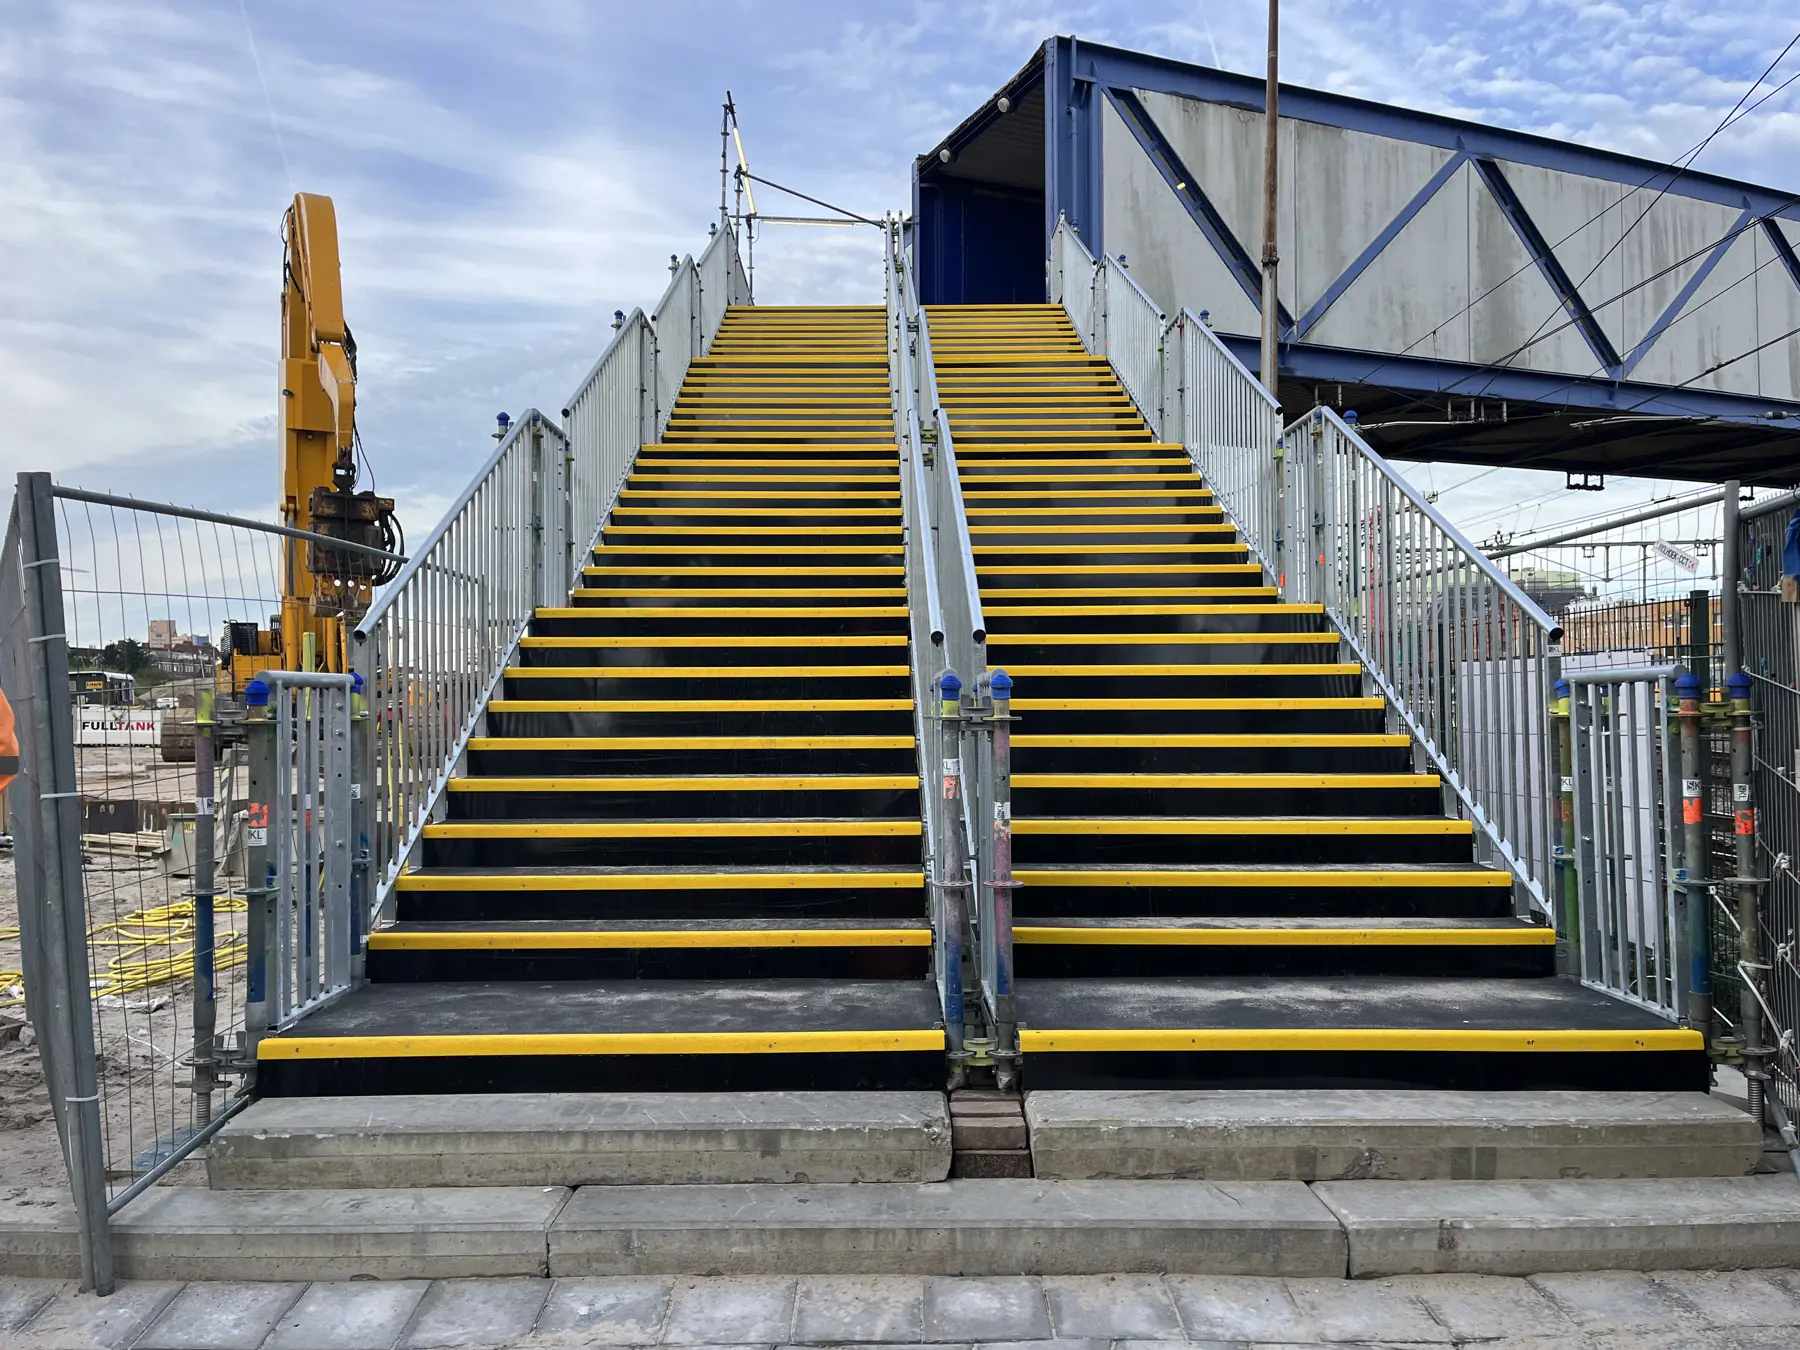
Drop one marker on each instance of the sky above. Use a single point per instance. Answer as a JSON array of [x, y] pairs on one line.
[[506, 176]]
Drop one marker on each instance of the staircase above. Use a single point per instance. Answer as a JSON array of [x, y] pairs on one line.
[[1230, 873], [685, 852]]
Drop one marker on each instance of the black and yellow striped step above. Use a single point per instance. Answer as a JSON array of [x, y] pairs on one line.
[[559, 638], [646, 753], [1119, 751], [1293, 1032], [694, 841], [1305, 841], [727, 621], [1122, 675], [1224, 794], [1496, 947], [1313, 890], [581, 681], [662, 949], [612, 1035], [630, 796]]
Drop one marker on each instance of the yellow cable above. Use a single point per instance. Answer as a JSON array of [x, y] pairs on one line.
[[144, 944]]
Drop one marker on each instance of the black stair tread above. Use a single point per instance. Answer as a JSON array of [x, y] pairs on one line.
[[749, 825], [602, 1007], [722, 926], [1247, 824], [1291, 923], [1338, 1003]]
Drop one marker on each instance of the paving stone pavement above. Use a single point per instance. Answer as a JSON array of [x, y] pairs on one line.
[[1606, 1310]]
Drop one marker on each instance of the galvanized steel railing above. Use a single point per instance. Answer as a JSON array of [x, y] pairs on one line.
[[437, 640], [963, 740], [1465, 658], [1632, 937], [1115, 317]]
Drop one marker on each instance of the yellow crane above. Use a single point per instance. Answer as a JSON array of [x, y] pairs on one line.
[[324, 589]]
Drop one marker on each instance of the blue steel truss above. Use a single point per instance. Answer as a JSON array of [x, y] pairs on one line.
[[1081, 77]]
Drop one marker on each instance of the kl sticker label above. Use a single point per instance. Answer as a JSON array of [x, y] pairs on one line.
[[256, 821], [1740, 792]]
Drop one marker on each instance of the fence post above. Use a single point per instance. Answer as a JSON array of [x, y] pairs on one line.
[[65, 1009], [206, 1015], [1689, 688], [996, 700], [1568, 929], [362, 802], [1749, 917], [259, 872]]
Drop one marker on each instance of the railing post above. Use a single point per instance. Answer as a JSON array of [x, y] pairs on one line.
[[1692, 873], [1749, 917], [205, 1063], [995, 692], [259, 873], [362, 797], [952, 878], [1568, 928], [63, 1008], [1581, 767]]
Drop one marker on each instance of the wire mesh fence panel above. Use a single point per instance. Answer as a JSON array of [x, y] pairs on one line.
[[148, 601], [1770, 639]]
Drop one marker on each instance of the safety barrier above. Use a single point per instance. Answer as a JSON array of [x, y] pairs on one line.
[[1631, 935], [964, 742], [437, 640]]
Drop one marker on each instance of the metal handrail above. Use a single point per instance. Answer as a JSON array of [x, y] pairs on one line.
[[437, 641], [1464, 657]]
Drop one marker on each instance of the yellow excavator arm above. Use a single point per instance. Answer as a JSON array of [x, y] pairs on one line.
[[324, 589]]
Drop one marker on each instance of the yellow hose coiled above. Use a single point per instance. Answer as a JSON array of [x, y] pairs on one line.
[[153, 947]]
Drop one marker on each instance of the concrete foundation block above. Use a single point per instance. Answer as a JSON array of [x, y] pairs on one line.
[[952, 1228], [183, 1233], [575, 1139], [1528, 1227], [1388, 1135], [37, 1235]]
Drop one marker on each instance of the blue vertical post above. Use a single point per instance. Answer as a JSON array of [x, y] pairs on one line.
[[1693, 870], [998, 689]]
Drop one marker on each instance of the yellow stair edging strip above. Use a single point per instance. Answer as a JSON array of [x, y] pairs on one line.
[[598, 1043]]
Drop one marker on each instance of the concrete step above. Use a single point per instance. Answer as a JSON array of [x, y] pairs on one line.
[[952, 1228], [1534, 1227], [574, 1139], [1388, 1135], [186, 1233]]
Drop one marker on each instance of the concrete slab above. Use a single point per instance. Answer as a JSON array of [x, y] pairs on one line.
[[1399, 1135], [348, 1315], [181, 1233], [224, 1316], [110, 1323], [37, 1234], [1112, 1307], [859, 1309], [1735, 1298], [1349, 1310], [1237, 1309], [21, 1299], [459, 1314], [1617, 1301], [1527, 1227], [951, 1228], [574, 1139], [1486, 1307], [607, 1311], [996, 1309], [730, 1312]]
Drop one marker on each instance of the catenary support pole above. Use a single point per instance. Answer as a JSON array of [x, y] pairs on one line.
[[1271, 306], [1568, 927], [1730, 573], [952, 875]]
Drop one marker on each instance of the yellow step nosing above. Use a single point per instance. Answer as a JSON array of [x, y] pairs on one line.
[[500, 939], [1232, 781], [727, 611], [288, 1046], [1143, 611], [542, 743], [1222, 668], [1425, 1040], [1171, 639], [521, 882], [699, 672], [1151, 936], [1211, 740], [1264, 878], [1133, 703], [859, 827], [694, 783], [1251, 826]]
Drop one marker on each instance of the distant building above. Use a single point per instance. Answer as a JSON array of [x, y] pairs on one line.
[[162, 633], [1552, 588]]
